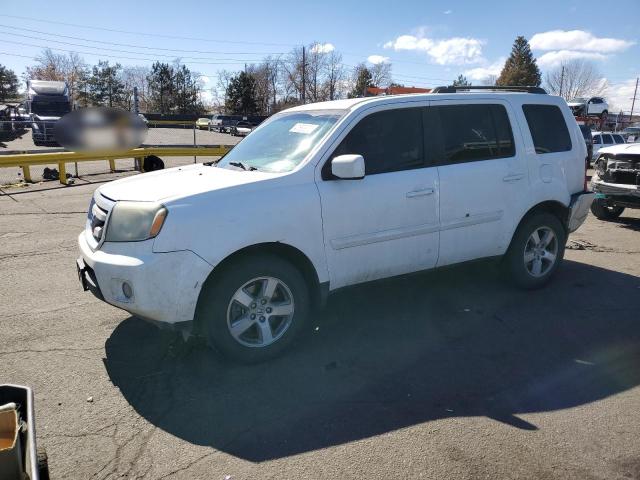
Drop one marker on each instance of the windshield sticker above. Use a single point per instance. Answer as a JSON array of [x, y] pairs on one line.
[[305, 128]]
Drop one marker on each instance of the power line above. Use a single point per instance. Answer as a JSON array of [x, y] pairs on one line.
[[159, 35], [12, 27], [118, 50], [120, 56]]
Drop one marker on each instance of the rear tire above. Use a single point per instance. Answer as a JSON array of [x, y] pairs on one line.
[[238, 310], [536, 250], [152, 163], [604, 212]]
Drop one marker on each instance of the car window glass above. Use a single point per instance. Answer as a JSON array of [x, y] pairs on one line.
[[474, 132], [389, 141], [607, 139], [597, 139], [548, 128], [618, 139]]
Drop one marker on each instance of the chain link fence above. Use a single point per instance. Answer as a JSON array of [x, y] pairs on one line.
[[15, 138]]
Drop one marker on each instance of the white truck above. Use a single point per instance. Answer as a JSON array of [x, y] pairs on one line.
[[328, 195], [46, 102]]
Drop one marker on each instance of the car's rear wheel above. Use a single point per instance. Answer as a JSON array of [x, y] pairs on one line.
[[603, 211], [536, 250], [255, 308]]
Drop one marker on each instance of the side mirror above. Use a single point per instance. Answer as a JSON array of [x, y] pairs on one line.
[[348, 167]]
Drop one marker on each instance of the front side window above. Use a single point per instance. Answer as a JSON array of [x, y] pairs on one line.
[[283, 142], [608, 140], [548, 128], [618, 138], [474, 132], [389, 141]]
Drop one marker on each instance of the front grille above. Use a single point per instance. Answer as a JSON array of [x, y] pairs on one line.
[[625, 177]]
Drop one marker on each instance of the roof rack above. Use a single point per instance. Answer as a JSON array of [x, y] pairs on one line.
[[464, 88]]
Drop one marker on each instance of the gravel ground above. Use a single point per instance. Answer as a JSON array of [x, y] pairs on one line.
[[452, 374]]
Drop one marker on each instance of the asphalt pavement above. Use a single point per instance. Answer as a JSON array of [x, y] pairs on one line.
[[451, 374]]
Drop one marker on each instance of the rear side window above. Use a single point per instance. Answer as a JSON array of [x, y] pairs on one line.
[[548, 128], [474, 132], [389, 141], [618, 138], [607, 139]]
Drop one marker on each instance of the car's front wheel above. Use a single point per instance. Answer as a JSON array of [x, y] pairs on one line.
[[536, 250], [604, 212], [254, 309]]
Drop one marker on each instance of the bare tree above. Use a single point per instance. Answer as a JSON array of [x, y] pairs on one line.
[[381, 74], [136, 77], [575, 78], [335, 75], [68, 68], [292, 74]]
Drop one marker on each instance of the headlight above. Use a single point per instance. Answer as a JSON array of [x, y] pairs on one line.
[[135, 221]]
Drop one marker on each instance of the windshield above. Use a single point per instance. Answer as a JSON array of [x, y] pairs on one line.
[[48, 108], [281, 143]]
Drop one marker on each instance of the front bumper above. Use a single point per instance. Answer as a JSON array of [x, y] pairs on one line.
[[579, 209], [620, 194], [164, 287]]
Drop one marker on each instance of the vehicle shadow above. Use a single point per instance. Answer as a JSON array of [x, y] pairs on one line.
[[630, 223], [394, 354]]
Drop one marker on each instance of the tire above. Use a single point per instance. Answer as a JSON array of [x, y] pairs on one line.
[[536, 272], [258, 336], [604, 212], [152, 163], [43, 463]]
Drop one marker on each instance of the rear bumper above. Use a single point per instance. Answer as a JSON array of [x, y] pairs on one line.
[[164, 287], [579, 209]]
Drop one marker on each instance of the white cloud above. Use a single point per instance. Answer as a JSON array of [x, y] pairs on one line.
[[450, 51], [376, 59], [554, 59], [448, 12], [204, 79], [579, 40], [323, 48], [620, 94], [482, 73]]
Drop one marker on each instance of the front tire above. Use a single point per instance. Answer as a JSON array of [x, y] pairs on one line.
[[255, 308], [536, 250], [604, 212]]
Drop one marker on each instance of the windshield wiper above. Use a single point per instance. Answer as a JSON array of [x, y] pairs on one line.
[[243, 166]]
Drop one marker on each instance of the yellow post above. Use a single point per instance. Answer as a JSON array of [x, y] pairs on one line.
[[26, 173], [62, 170], [112, 165]]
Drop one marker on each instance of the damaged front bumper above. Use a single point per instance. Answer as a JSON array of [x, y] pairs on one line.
[[616, 194]]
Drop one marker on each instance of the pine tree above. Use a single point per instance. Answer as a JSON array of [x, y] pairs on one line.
[[461, 81], [105, 86], [8, 84], [363, 79], [241, 96], [520, 69]]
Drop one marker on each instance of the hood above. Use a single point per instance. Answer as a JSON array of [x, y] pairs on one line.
[[622, 148], [575, 104], [179, 182]]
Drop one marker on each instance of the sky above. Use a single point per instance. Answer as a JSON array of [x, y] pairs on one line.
[[427, 43]]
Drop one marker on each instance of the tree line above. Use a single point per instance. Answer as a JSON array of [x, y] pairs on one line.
[[307, 74]]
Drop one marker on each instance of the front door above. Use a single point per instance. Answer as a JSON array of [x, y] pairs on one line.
[[386, 223]]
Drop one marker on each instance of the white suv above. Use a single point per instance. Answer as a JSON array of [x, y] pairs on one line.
[[585, 107], [333, 194]]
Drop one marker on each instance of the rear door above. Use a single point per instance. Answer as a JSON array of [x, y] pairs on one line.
[[483, 178], [386, 223]]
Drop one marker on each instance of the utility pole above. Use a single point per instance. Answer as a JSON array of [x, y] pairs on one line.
[[633, 103], [304, 73], [561, 80]]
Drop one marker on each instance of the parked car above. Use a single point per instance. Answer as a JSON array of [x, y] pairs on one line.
[[241, 129], [588, 140], [327, 195], [604, 139], [587, 107], [631, 134], [616, 180], [203, 123]]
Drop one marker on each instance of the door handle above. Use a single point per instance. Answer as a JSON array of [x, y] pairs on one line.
[[421, 193], [513, 178]]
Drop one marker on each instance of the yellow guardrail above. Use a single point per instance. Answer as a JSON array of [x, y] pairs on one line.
[[26, 159]]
